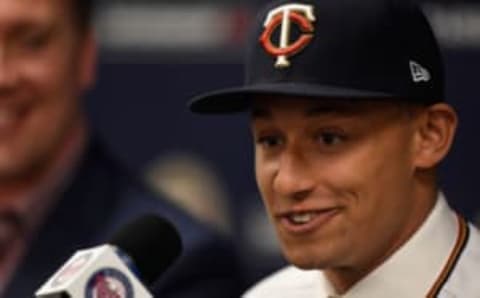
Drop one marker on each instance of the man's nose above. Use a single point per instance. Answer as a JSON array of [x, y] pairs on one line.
[[294, 178]]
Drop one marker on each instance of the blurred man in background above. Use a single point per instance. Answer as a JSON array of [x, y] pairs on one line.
[[60, 190], [349, 123]]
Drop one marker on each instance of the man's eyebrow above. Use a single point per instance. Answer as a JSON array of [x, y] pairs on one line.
[[27, 26], [322, 109], [331, 109]]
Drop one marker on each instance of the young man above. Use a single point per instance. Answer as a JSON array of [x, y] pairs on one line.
[[60, 189], [347, 113]]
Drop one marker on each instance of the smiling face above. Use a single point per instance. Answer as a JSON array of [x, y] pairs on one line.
[[338, 179], [46, 62]]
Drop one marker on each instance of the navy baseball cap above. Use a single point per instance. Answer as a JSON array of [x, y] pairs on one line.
[[336, 49]]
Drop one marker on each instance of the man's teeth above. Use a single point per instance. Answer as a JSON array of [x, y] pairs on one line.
[[302, 218]]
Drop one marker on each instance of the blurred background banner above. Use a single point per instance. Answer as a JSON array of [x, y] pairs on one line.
[[156, 54]]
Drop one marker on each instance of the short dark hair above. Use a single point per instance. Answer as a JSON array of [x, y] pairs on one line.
[[82, 11]]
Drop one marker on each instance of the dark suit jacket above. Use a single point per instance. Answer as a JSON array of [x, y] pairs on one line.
[[102, 197]]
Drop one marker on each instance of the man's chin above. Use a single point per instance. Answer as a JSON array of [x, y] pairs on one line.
[[307, 261]]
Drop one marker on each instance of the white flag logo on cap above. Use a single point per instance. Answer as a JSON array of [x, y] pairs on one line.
[[419, 73]]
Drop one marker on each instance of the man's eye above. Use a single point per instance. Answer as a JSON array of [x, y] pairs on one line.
[[330, 138], [269, 141], [34, 41]]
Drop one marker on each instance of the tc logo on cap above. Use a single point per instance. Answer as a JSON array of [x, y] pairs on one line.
[[300, 14]]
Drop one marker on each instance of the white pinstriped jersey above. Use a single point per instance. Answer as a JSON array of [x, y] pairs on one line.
[[441, 260]]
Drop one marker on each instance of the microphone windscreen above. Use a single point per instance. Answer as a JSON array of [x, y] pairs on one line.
[[151, 242]]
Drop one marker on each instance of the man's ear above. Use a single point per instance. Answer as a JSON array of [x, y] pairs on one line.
[[435, 131]]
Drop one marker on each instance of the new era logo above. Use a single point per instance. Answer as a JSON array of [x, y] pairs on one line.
[[419, 73]]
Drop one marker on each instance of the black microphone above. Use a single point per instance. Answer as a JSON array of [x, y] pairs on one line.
[[141, 250], [151, 242]]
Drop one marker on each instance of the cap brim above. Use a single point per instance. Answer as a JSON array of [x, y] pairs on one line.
[[239, 99]]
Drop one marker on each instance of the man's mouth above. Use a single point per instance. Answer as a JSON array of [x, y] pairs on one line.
[[301, 222], [301, 217]]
